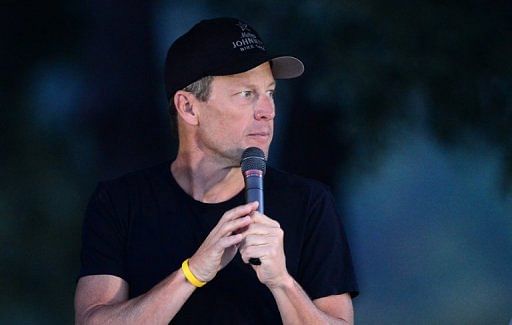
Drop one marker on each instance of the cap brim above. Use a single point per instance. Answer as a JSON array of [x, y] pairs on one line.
[[283, 67], [286, 67]]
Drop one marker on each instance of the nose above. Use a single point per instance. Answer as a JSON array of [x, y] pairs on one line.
[[265, 108]]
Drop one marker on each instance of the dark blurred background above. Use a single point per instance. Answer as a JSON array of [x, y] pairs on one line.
[[405, 110]]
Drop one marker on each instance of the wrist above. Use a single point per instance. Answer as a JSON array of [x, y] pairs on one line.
[[190, 276], [195, 270], [284, 282]]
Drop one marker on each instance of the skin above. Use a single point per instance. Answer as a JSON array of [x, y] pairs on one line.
[[213, 134]]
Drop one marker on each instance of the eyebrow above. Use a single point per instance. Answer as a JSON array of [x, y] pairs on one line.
[[251, 85]]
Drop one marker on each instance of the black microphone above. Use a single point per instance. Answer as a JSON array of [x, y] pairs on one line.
[[254, 165]]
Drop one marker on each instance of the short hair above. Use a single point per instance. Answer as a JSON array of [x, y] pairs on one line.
[[200, 89]]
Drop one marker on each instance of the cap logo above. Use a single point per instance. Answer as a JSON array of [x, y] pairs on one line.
[[242, 26], [248, 40]]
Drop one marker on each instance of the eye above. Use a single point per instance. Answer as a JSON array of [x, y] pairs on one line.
[[271, 93], [246, 93]]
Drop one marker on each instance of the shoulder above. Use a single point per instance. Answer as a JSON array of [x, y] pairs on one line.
[[131, 189], [303, 193], [116, 200], [149, 176], [276, 178]]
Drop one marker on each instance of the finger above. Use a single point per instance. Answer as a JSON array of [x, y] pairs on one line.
[[261, 229], [261, 218], [234, 225], [239, 211], [229, 241], [254, 252], [273, 240], [256, 240]]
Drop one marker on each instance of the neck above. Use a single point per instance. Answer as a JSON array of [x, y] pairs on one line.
[[206, 180]]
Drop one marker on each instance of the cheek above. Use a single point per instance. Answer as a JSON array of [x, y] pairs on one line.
[[223, 123], [223, 128], [233, 122], [225, 120]]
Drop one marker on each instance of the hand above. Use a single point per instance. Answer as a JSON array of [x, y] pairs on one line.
[[221, 245], [263, 239]]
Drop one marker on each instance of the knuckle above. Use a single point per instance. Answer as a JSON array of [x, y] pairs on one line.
[[241, 220], [239, 209], [219, 245], [223, 228], [226, 242]]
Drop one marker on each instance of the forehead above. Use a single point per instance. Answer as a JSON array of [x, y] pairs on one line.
[[258, 76]]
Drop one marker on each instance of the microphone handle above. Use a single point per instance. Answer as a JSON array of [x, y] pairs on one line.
[[254, 192]]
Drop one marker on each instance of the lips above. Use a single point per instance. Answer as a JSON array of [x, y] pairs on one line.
[[259, 134]]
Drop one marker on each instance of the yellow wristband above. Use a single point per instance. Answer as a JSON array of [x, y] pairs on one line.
[[189, 276]]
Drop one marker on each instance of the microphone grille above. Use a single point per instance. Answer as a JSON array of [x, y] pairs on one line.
[[253, 158]]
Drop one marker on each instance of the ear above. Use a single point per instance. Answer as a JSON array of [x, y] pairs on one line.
[[185, 104]]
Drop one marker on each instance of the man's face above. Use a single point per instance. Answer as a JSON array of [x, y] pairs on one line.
[[238, 114]]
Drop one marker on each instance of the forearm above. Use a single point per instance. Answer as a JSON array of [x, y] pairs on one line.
[[296, 307], [157, 306]]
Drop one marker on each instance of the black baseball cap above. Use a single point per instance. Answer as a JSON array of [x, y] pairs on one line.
[[220, 47]]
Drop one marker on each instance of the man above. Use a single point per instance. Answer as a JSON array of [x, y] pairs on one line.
[[173, 242]]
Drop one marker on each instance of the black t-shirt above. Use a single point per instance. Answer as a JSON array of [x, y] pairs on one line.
[[142, 226]]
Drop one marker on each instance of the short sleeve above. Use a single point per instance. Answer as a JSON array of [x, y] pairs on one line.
[[103, 237], [326, 264]]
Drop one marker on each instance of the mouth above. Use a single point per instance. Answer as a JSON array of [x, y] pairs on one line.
[[259, 135]]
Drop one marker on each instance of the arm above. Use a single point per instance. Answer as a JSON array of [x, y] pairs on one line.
[[296, 307], [103, 299], [264, 240]]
